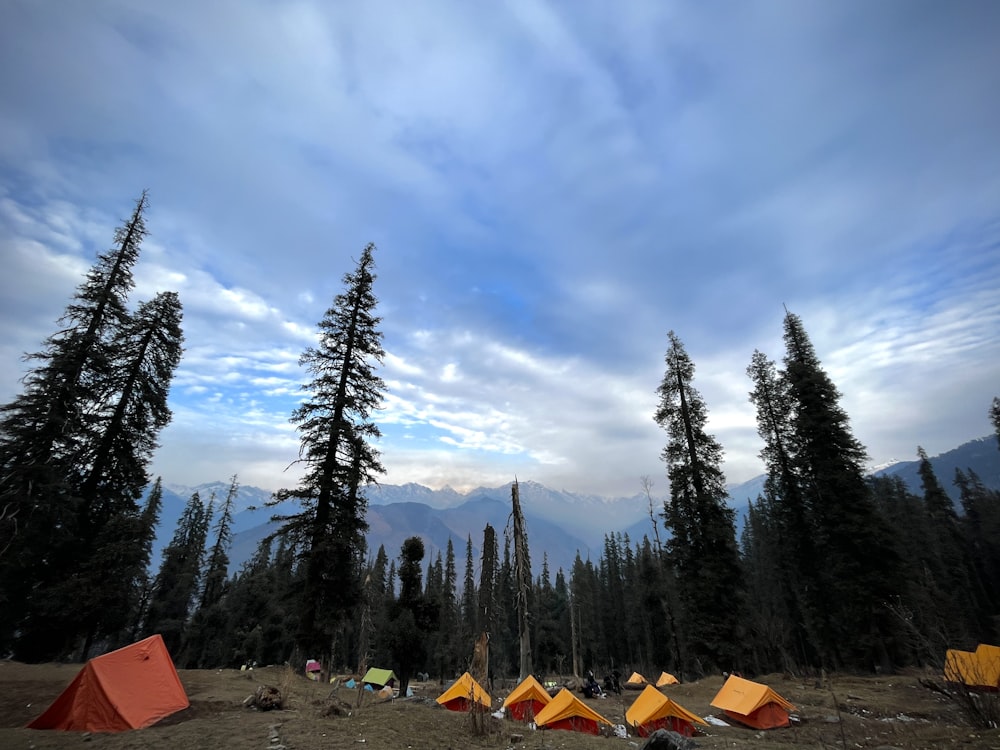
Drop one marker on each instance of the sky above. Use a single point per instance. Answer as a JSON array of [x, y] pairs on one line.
[[551, 187]]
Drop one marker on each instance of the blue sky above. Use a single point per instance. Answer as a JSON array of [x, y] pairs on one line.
[[552, 186]]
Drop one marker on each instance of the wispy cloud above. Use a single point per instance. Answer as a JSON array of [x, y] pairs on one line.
[[551, 188]]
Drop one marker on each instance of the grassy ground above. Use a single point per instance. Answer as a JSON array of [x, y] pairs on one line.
[[845, 712]]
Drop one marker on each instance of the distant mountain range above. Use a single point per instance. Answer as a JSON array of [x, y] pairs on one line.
[[560, 523]]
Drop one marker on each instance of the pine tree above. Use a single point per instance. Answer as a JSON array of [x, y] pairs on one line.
[[771, 627], [981, 520], [703, 548], [918, 608], [413, 615], [150, 520], [176, 584], [448, 617], [783, 514], [489, 577], [949, 559], [147, 353], [470, 604], [47, 439], [209, 618], [860, 571], [335, 429]]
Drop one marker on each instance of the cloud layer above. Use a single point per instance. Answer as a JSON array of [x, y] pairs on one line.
[[552, 188]]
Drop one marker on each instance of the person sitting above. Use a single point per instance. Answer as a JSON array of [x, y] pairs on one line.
[[612, 683], [590, 687]]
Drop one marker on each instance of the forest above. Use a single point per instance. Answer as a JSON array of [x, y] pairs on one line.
[[834, 570]]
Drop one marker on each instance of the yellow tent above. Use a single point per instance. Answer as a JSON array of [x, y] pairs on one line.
[[463, 694], [979, 668], [666, 679], [527, 700], [636, 681], [566, 711], [752, 704], [653, 710], [989, 662], [961, 666]]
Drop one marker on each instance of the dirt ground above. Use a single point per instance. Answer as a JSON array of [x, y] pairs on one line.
[[846, 712]]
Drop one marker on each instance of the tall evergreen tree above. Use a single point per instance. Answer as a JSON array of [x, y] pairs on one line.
[[769, 623], [147, 353], [995, 417], [860, 570], [451, 654], [335, 426], [489, 576], [469, 606], [784, 516], [209, 619], [703, 547], [981, 519], [413, 617], [176, 585], [47, 436]]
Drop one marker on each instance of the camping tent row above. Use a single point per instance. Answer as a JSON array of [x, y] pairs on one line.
[[637, 682], [976, 669], [529, 698], [752, 704], [651, 711], [744, 701], [131, 688]]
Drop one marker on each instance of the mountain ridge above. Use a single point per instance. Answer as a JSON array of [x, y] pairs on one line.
[[559, 522]]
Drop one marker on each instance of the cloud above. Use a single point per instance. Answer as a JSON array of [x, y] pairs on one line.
[[551, 190]]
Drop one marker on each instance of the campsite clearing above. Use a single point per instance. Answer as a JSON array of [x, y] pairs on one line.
[[853, 712]]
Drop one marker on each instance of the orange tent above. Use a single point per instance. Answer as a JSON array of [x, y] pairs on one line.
[[131, 688], [636, 681], [566, 711], [653, 710], [527, 700], [463, 694], [666, 679], [752, 704]]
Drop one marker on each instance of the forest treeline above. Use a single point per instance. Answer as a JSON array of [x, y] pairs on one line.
[[833, 570]]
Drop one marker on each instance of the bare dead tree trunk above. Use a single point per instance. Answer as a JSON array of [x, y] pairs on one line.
[[364, 636], [522, 574], [647, 487]]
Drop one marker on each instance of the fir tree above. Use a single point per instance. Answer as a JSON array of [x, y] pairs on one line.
[[860, 571], [335, 426], [995, 418], [148, 352], [470, 604], [47, 439], [413, 617], [981, 519], [783, 514], [176, 584], [703, 548], [489, 576], [209, 618]]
